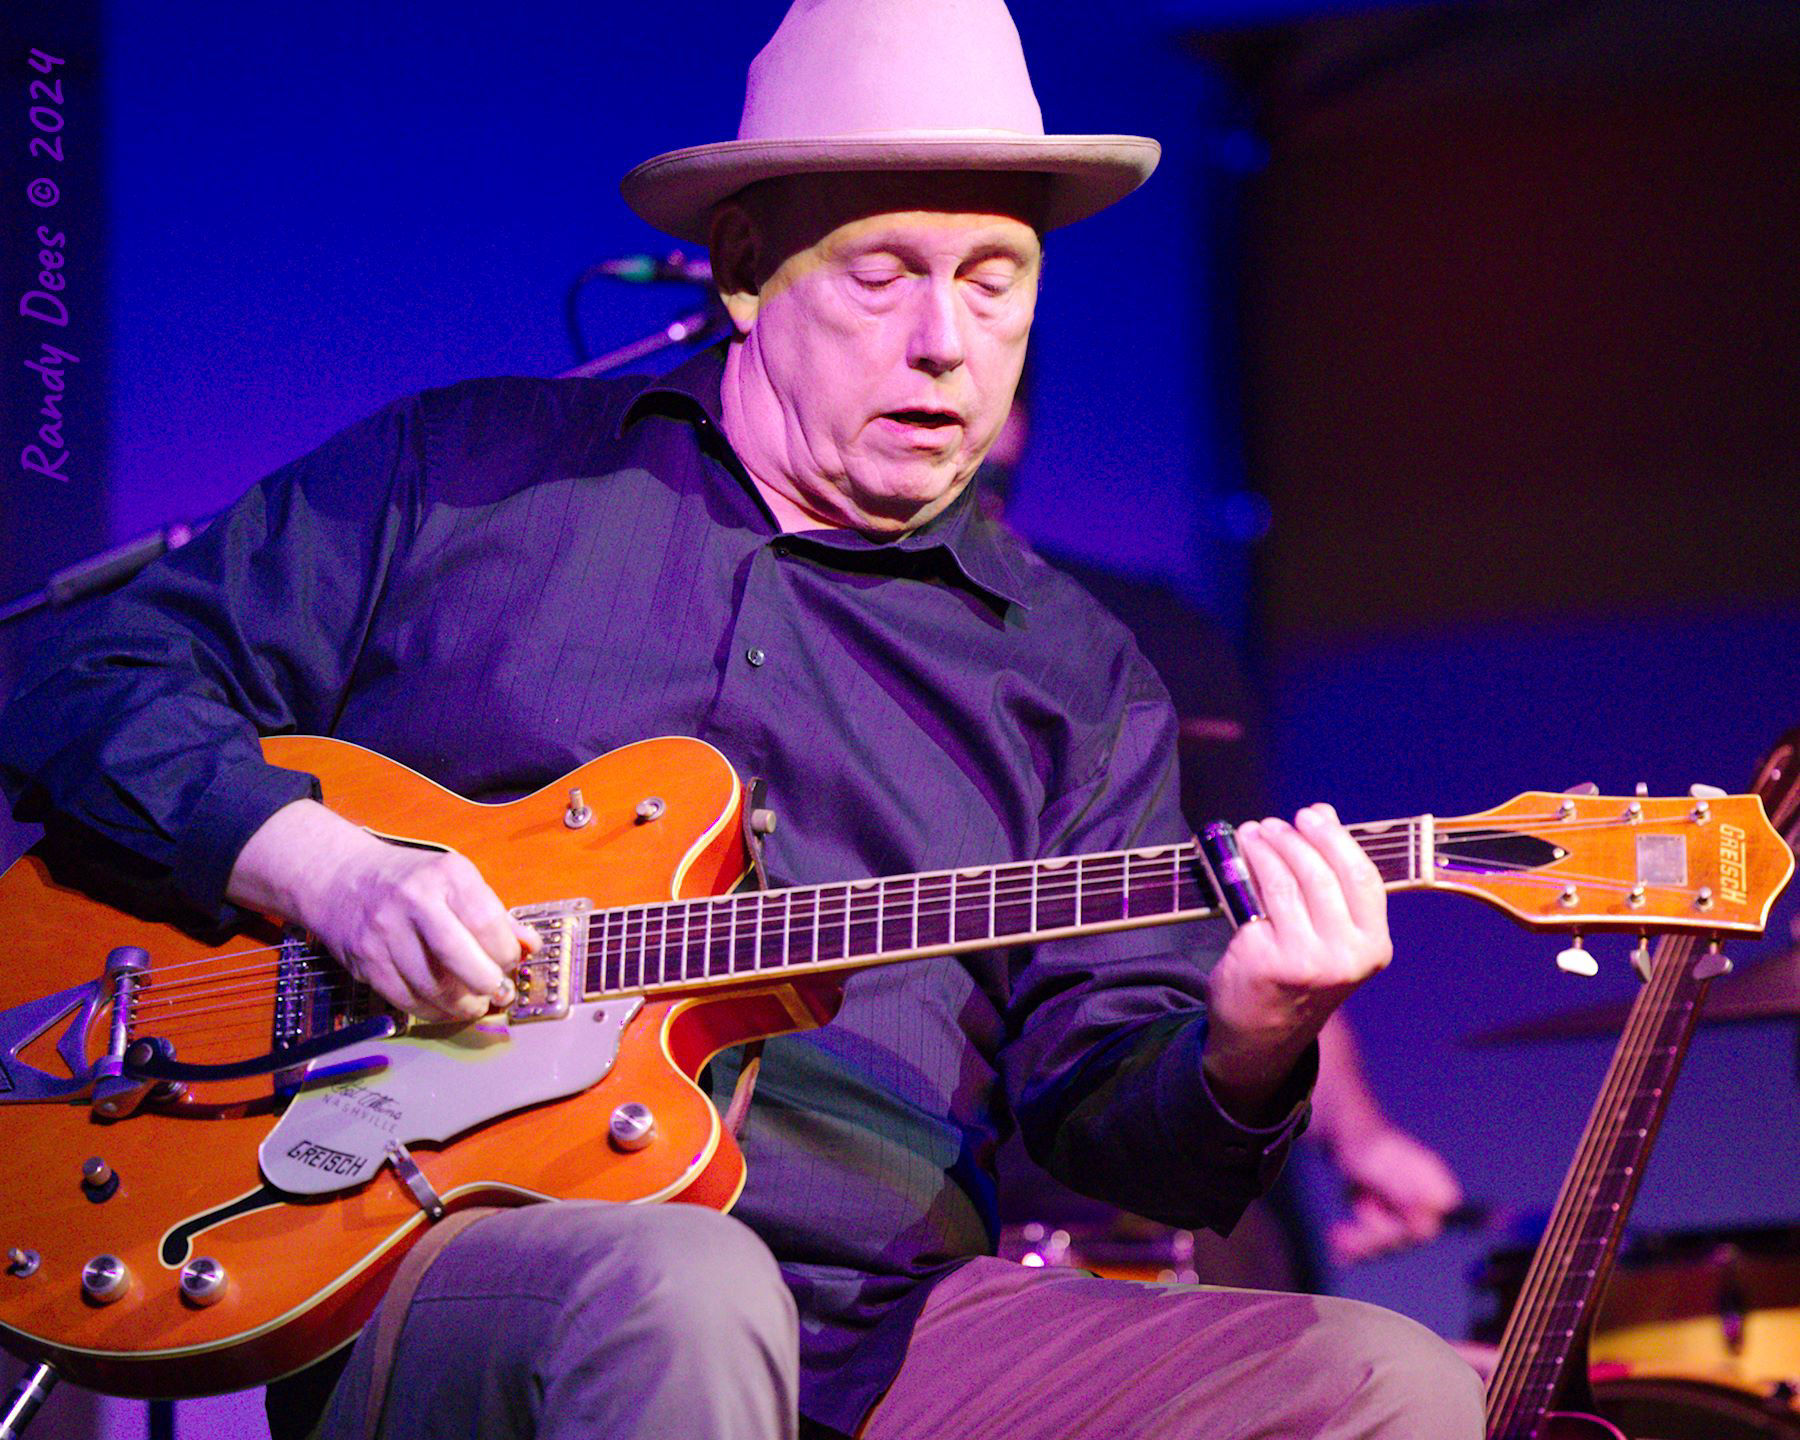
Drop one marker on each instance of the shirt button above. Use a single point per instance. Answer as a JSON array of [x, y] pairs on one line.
[[755, 655]]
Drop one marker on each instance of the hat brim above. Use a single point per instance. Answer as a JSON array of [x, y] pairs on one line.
[[676, 192]]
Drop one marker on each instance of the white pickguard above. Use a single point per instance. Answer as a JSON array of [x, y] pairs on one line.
[[432, 1086]]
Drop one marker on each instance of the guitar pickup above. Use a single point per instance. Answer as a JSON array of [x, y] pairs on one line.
[[545, 981]]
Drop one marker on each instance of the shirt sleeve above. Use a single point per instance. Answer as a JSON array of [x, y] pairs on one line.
[[139, 725], [1103, 1063]]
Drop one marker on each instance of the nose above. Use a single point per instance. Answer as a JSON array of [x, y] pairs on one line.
[[936, 344]]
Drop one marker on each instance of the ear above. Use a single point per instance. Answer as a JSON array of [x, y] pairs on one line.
[[735, 246]]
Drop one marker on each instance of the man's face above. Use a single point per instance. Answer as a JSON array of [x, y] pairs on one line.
[[884, 339]]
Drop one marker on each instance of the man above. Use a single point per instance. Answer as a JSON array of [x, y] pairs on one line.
[[775, 550]]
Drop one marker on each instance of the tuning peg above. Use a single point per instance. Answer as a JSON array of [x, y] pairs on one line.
[[1575, 960], [1706, 792], [1712, 964], [1642, 790], [1640, 956]]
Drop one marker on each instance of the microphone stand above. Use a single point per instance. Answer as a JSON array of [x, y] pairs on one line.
[[99, 573], [695, 328], [114, 567]]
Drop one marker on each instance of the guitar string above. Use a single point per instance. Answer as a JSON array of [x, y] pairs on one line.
[[1522, 1363], [865, 912], [1390, 847], [877, 909], [1624, 1076], [1102, 881], [1663, 1021], [879, 912], [1520, 1347], [694, 966]]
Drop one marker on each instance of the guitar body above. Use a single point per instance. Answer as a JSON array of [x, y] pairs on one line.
[[305, 1271]]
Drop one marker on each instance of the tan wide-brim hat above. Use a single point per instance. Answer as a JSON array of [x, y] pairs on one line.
[[890, 85]]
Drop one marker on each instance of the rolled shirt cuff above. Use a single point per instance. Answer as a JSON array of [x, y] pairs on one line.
[[235, 805]]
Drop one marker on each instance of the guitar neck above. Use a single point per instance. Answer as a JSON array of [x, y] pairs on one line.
[[1549, 1323], [728, 939]]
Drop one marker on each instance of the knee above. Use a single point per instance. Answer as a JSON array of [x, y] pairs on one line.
[[683, 1269], [1403, 1380], [699, 1251]]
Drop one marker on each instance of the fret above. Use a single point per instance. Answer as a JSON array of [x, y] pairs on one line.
[[706, 944], [1080, 866], [917, 886], [586, 958], [1125, 889], [880, 915], [1174, 880], [952, 938], [662, 953], [730, 966], [822, 939], [625, 953], [1034, 899], [845, 955], [993, 901], [611, 979], [787, 926], [756, 959], [687, 938]]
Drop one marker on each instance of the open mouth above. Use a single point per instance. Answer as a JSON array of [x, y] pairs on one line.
[[927, 419]]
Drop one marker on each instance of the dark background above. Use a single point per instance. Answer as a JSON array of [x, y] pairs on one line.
[[1451, 359]]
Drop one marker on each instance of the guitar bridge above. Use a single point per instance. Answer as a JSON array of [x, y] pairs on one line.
[[545, 981]]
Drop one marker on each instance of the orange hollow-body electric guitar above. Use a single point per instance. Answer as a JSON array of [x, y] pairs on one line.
[[217, 1150]]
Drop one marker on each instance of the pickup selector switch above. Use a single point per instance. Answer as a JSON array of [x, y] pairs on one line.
[[98, 1179]]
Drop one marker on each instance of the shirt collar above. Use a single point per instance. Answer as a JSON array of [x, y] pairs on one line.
[[981, 547]]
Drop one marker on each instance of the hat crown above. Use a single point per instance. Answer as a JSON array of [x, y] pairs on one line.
[[860, 67]]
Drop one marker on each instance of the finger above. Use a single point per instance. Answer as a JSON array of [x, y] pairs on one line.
[[376, 966], [463, 976], [1382, 1229], [1320, 888], [1359, 881], [504, 938], [1366, 1233], [408, 947], [1283, 906]]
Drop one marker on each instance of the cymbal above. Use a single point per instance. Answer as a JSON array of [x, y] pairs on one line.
[[1768, 990]]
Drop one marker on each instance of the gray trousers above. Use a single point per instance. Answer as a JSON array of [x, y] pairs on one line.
[[670, 1322]]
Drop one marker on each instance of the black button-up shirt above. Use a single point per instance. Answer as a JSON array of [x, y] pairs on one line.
[[494, 582]]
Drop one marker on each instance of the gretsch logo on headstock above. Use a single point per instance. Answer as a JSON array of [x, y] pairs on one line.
[[1734, 878]]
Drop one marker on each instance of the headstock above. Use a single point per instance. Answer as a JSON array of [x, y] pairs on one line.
[[1709, 864]]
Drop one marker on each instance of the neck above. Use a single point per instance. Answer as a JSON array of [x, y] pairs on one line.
[[749, 414]]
